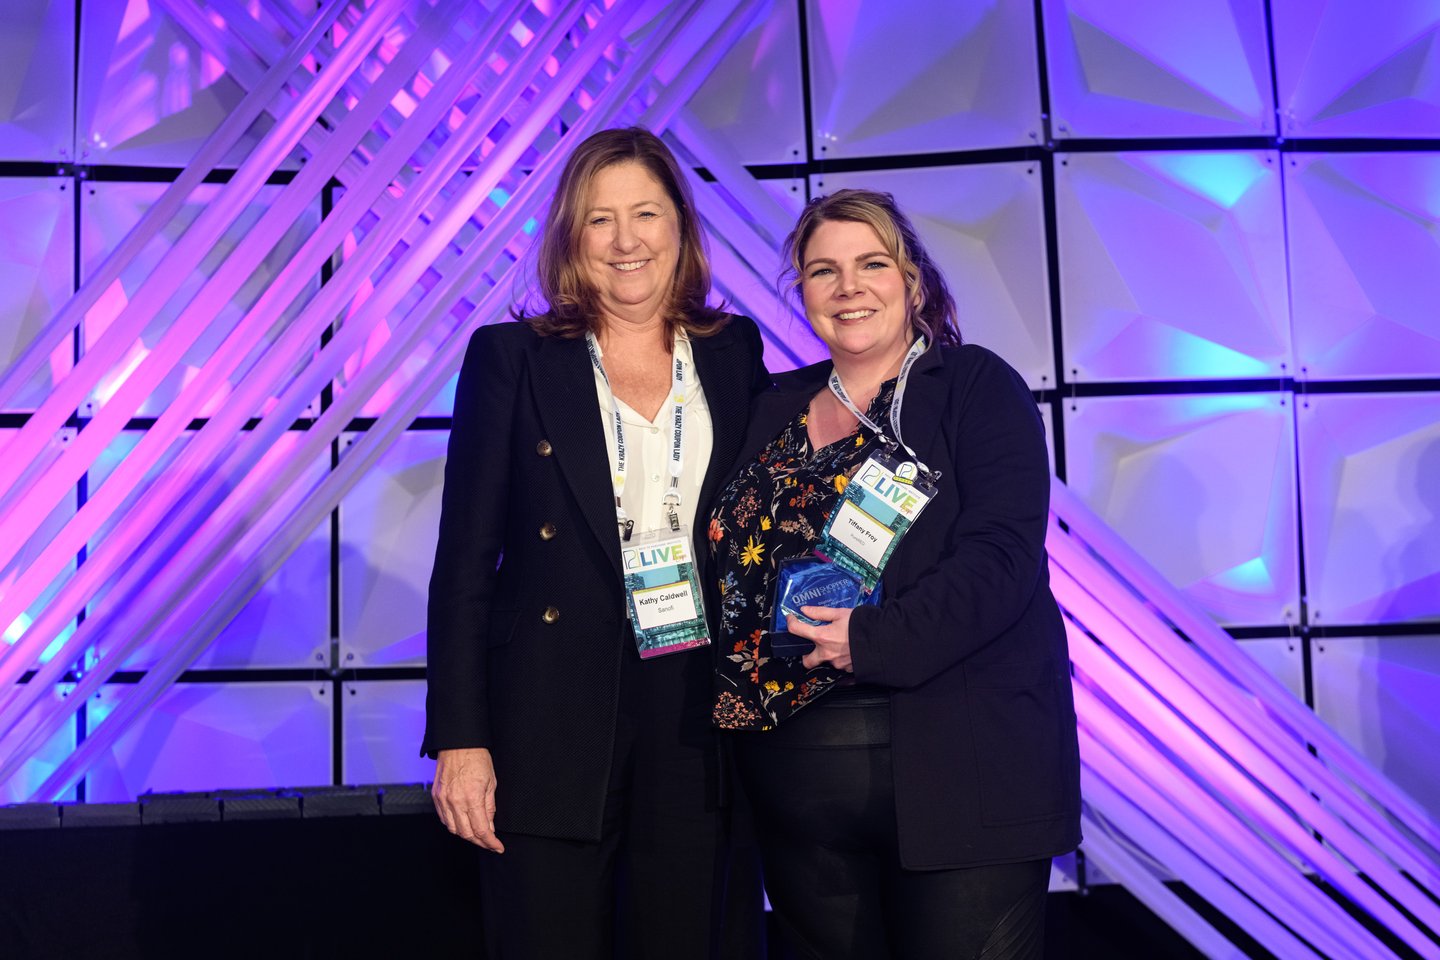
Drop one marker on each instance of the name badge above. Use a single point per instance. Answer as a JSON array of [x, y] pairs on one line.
[[663, 593], [881, 503]]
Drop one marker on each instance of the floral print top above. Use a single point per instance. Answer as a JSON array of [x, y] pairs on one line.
[[776, 509]]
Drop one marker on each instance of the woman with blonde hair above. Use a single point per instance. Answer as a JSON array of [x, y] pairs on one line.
[[893, 666]]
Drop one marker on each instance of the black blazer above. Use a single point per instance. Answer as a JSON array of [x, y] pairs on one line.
[[526, 625], [968, 637]]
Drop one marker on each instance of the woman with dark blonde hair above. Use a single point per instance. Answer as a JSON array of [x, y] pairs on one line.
[[568, 699], [893, 664]]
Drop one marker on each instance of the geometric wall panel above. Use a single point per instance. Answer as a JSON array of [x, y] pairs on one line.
[[1344, 71], [37, 80], [924, 78], [1382, 694], [388, 525], [1172, 266], [753, 102], [384, 721], [1370, 500], [790, 194], [149, 94], [1063, 875], [1365, 263], [1135, 69], [1201, 486], [37, 274], [110, 210], [287, 622], [985, 226], [216, 736], [1282, 658]]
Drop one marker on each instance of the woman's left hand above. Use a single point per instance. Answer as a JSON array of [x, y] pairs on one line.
[[831, 638]]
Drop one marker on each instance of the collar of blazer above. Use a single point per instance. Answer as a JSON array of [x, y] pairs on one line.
[[566, 398], [920, 414]]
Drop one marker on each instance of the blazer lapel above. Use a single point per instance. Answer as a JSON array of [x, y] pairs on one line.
[[566, 397]]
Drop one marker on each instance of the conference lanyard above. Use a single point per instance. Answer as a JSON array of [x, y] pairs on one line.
[[677, 442], [916, 349], [884, 497]]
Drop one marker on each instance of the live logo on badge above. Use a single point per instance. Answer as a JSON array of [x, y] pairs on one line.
[[894, 492], [656, 555]]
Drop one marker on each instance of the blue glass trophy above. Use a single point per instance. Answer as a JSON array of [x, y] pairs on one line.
[[810, 582]]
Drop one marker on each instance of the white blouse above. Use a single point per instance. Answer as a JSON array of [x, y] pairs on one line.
[[646, 469]]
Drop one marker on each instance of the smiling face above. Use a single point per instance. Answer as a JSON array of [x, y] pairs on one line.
[[854, 293], [629, 242]]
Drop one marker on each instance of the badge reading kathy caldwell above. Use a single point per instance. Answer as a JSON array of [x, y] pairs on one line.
[[664, 594]]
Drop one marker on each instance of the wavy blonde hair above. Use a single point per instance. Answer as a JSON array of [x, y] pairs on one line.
[[931, 307]]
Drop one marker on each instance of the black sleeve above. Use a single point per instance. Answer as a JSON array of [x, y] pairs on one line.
[[984, 580], [472, 529], [760, 379]]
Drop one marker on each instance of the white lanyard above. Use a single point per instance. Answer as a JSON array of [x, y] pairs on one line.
[[677, 442], [917, 348]]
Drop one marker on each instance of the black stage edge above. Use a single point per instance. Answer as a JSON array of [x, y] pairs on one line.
[[328, 872]]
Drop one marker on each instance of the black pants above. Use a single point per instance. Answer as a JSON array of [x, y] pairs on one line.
[[651, 886], [824, 802]]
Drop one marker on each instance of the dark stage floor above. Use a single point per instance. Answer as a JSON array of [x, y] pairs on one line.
[[379, 885]]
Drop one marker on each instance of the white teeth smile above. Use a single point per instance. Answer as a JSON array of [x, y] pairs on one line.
[[854, 315], [636, 265]]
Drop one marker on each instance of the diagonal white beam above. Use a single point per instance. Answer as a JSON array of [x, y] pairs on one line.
[[1228, 714], [247, 69], [398, 417], [18, 524], [755, 235], [1112, 857], [1141, 579], [211, 153], [1251, 798], [251, 329], [220, 432], [478, 186], [179, 261], [1155, 784]]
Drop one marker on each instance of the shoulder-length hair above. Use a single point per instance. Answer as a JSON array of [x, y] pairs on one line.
[[572, 301], [932, 309]]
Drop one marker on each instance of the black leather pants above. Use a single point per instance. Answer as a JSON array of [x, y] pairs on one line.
[[824, 802]]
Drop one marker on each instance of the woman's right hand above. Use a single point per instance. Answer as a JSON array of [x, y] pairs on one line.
[[464, 795]]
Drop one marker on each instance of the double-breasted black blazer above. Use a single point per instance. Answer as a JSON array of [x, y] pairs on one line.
[[526, 624], [968, 638]]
